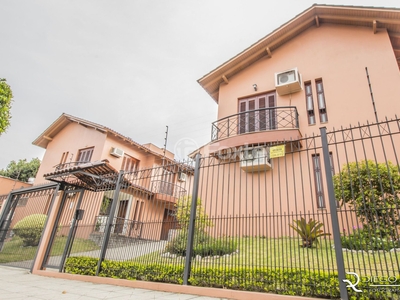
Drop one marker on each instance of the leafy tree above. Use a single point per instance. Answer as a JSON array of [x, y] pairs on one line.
[[21, 170], [182, 214], [5, 105], [373, 190]]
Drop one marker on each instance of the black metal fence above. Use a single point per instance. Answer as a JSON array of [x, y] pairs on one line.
[[323, 210], [22, 223]]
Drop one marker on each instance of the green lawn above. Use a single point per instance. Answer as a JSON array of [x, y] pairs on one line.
[[14, 251], [287, 253]]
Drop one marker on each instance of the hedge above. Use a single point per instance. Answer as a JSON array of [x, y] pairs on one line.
[[278, 281]]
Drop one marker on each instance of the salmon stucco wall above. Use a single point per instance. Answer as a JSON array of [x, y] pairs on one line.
[[71, 139], [336, 54]]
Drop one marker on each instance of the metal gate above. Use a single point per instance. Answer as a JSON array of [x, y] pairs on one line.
[[22, 222], [61, 237]]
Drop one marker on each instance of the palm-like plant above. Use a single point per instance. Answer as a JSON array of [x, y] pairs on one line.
[[309, 231]]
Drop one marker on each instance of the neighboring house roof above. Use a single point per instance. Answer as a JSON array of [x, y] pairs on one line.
[[372, 17], [43, 139]]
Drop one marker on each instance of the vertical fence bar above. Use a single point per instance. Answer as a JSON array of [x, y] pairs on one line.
[[107, 229], [8, 211], [189, 246], [334, 216], [71, 233]]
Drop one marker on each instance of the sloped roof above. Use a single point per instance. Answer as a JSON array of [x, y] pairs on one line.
[[45, 137], [372, 17]]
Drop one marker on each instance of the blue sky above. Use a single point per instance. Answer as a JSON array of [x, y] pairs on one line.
[[129, 65]]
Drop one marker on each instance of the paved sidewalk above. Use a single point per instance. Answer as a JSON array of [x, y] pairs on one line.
[[18, 283]]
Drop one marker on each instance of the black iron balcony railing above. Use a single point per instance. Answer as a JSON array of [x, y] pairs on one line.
[[263, 119], [167, 188]]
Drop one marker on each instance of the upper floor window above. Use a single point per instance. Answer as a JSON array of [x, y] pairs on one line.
[[309, 103], [323, 116], [255, 115], [85, 155], [129, 164], [64, 158]]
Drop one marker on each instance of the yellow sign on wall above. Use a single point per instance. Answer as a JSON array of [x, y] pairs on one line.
[[277, 151]]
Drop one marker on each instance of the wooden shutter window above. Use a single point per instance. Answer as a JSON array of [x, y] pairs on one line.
[[252, 115], [85, 155], [242, 117], [257, 113], [262, 114], [272, 112], [129, 164]]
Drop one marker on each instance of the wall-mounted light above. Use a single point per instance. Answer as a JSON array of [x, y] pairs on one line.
[[255, 87]]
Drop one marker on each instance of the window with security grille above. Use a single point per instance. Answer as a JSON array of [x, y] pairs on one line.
[[309, 103], [323, 115]]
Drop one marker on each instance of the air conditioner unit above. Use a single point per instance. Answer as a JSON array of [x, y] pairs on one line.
[[288, 82], [116, 152], [181, 176], [226, 155], [255, 159]]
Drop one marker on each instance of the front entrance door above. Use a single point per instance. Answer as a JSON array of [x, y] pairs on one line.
[[169, 222], [120, 221]]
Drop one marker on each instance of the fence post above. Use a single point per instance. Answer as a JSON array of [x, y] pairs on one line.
[[5, 218], [334, 216], [110, 220], [191, 229]]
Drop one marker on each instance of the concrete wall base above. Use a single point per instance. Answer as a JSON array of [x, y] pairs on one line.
[[172, 288]]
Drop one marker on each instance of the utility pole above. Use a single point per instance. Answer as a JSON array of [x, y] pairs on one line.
[[165, 145]]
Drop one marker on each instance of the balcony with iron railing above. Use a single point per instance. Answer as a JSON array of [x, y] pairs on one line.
[[167, 191], [256, 126]]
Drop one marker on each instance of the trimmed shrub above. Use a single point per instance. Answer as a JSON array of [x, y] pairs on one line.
[[30, 228], [372, 189], [203, 245], [363, 239], [278, 281]]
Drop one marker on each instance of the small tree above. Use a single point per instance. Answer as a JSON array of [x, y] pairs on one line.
[[372, 189], [21, 170], [5, 105], [182, 214], [30, 228]]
